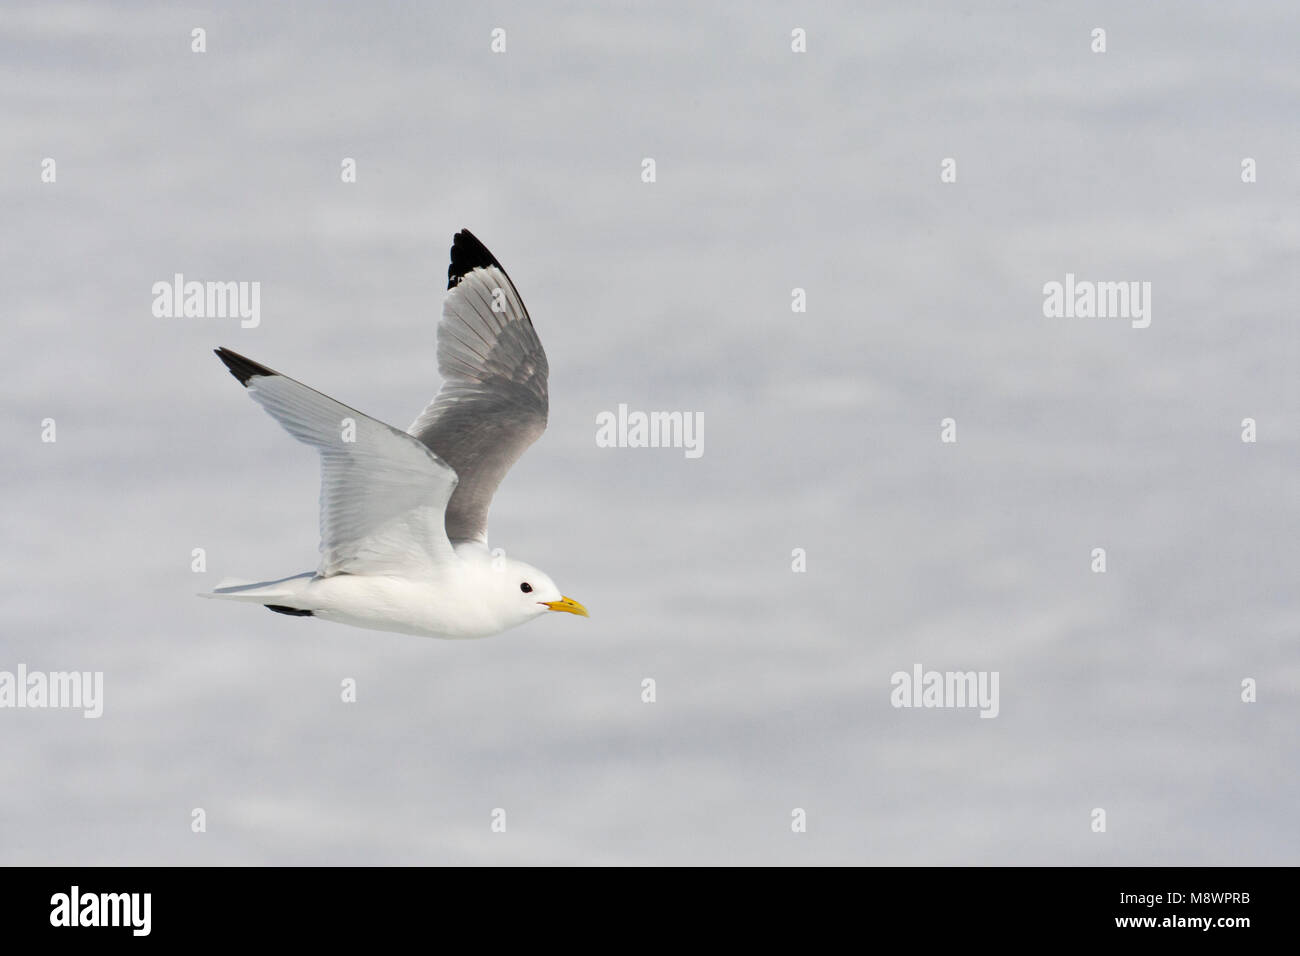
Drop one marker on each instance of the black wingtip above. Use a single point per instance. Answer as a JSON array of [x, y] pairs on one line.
[[240, 367], [291, 611], [468, 254]]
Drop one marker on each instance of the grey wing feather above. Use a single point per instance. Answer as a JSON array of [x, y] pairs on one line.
[[493, 402], [382, 492]]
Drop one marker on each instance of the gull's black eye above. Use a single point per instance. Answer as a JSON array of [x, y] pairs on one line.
[[526, 588]]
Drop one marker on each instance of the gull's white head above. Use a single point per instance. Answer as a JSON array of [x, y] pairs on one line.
[[526, 592]]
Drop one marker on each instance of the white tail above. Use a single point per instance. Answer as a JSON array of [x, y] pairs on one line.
[[282, 591]]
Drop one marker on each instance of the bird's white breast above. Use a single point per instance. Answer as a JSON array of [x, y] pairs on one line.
[[457, 604]]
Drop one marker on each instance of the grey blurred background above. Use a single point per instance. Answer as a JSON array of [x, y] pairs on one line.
[[775, 170]]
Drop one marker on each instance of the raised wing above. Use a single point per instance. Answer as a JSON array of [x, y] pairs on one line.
[[493, 401], [383, 493]]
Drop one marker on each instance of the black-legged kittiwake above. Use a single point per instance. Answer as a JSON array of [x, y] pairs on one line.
[[403, 514]]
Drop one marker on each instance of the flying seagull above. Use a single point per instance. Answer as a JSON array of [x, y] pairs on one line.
[[403, 514]]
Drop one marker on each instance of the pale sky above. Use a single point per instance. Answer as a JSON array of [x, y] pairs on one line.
[[775, 170]]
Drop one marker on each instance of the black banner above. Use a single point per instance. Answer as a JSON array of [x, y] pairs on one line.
[[174, 905]]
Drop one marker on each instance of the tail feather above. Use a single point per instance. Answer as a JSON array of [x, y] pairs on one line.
[[286, 592]]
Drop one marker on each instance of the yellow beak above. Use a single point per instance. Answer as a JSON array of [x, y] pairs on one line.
[[567, 604]]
